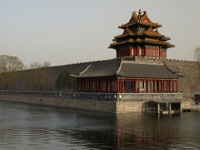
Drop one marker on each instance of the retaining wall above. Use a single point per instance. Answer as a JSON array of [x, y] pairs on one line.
[[107, 102], [107, 106]]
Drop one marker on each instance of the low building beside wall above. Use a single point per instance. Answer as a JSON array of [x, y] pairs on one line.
[[138, 68]]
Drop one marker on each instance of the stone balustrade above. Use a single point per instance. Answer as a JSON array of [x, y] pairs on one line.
[[98, 96]]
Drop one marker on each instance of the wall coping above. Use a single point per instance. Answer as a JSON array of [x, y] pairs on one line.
[[97, 96]]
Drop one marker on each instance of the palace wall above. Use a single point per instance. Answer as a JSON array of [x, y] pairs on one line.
[[189, 84]]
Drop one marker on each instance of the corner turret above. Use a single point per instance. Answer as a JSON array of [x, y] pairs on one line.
[[141, 38]]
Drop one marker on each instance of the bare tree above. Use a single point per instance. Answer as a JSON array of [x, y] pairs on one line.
[[197, 57], [197, 54], [40, 76], [10, 63], [8, 67]]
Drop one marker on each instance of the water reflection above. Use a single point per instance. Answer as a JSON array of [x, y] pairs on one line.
[[35, 127], [136, 131]]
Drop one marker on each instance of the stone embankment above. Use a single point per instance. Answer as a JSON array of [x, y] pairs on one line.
[[106, 102], [61, 99]]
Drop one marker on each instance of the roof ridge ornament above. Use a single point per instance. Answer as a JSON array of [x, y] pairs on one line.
[[139, 15], [85, 69], [134, 14]]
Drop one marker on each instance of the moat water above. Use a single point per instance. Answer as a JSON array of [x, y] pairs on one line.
[[30, 127]]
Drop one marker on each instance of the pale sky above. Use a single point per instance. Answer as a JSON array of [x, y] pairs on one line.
[[71, 31]]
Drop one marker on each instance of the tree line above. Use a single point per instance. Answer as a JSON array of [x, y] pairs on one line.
[[38, 77]]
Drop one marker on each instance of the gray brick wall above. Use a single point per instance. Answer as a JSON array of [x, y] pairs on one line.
[[190, 83]]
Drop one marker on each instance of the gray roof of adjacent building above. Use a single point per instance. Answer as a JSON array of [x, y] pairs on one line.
[[123, 68], [136, 70]]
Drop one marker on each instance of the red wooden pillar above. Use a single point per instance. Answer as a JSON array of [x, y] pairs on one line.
[[109, 85], [122, 85], [81, 86], [176, 85], [95, 85], [82, 83], [101, 86], [138, 51], [117, 85], [167, 86], [172, 85], [157, 86], [86, 85], [131, 51], [106, 86], [151, 85], [159, 51], [153, 89], [113, 85], [117, 53], [78, 85], [165, 54], [162, 86], [138, 85], [133, 85], [147, 86]]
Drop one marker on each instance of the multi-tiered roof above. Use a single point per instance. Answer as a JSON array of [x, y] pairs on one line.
[[140, 31]]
